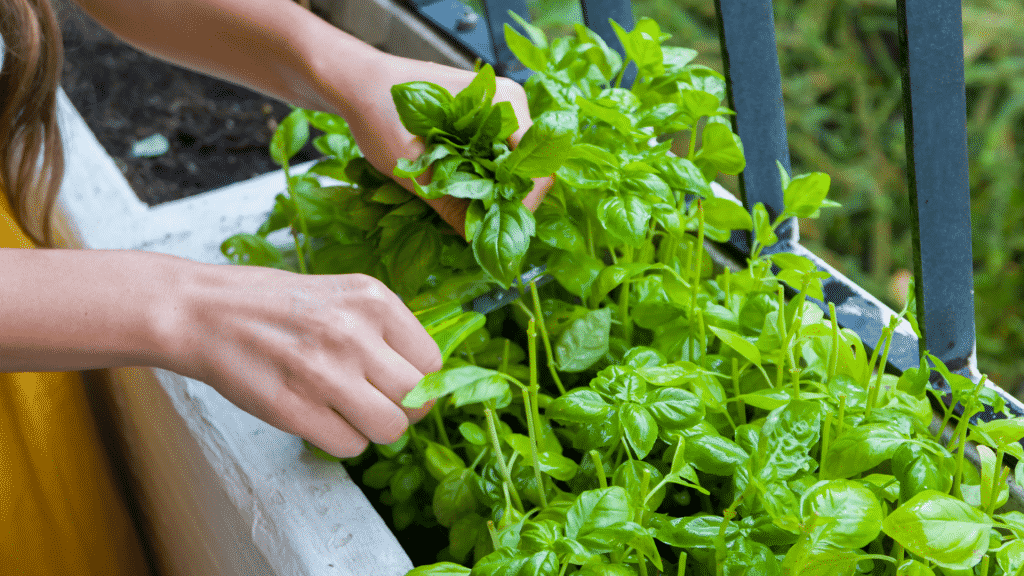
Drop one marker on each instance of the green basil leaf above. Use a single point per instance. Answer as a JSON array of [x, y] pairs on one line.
[[607, 114], [501, 241], [575, 271], [535, 33], [625, 218], [530, 55], [805, 193], [640, 428], [413, 169], [584, 342], [422, 106], [581, 405], [763, 230], [467, 185], [473, 434], [918, 469], [473, 102], [842, 512], [941, 529], [742, 347], [445, 381], [555, 465], [674, 408], [596, 509], [720, 151], [629, 475], [543, 148], [406, 481], [252, 250], [726, 215], [510, 562], [643, 46], [291, 135], [453, 497], [1011, 557], [439, 569], [859, 449]]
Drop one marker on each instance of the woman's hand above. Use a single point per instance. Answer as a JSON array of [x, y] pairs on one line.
[[327, 358], [370, 111]]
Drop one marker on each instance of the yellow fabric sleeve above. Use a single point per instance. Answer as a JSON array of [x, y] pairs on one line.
[[60, 510]]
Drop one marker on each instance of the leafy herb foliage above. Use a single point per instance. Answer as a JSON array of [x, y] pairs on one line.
[[689, 418]]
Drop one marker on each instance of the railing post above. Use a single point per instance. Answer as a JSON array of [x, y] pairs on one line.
[[932, 65], [754, 86], [596, 14], [496, 16]]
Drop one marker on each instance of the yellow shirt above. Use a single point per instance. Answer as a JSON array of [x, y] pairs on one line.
[[60, 510]]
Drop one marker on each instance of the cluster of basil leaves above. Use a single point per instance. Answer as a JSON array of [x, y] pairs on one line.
[[661, 415]]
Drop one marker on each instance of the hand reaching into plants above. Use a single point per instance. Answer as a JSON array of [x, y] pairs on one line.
[[328, 358], [373, 118]]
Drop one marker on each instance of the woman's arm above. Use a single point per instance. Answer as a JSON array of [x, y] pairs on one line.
[[270, 46], [283, 50], [328, 358]]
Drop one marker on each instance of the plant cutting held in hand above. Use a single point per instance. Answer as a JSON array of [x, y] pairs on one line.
[[466, 146]]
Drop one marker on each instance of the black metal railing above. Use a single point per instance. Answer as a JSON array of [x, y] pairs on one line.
[[931, 57]]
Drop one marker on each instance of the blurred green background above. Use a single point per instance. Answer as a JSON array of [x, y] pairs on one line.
[[842, 93]]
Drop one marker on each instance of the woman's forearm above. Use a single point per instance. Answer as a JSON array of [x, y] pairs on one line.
[[82, 309], [271, 46]]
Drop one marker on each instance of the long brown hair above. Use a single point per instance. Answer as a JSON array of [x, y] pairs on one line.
[[31, 152]]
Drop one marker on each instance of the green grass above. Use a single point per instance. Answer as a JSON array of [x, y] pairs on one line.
[[842, 95]]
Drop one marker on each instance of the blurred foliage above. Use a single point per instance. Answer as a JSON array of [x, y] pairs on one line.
[[841, 86]]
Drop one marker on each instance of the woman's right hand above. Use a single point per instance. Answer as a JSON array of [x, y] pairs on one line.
[[327, 358]]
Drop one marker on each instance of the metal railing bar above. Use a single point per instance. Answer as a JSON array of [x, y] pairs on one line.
[[754, 88], [496, 15], [935, 113], [596, 15]]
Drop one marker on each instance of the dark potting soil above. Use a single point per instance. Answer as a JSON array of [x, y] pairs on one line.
[[218, 132]]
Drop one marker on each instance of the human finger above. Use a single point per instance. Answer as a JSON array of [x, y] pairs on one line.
[[395, 377], [321, 425]]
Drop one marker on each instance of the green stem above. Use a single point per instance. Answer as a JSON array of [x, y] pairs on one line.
[[624, 290], [898, 553], [493, 533], [720, 551], [781, 327], [539, 316], [826, 439], [502, 466], [439, 424], [702, 339], [531, 420], [682, 564], [842, 414], [741, 406], [994, 488], [595, 457], [833, 359], [984, 565]]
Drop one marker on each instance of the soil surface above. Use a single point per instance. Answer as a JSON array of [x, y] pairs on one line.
[[218, 132]]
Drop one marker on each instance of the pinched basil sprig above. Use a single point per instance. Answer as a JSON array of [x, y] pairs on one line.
[[466, 138]]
